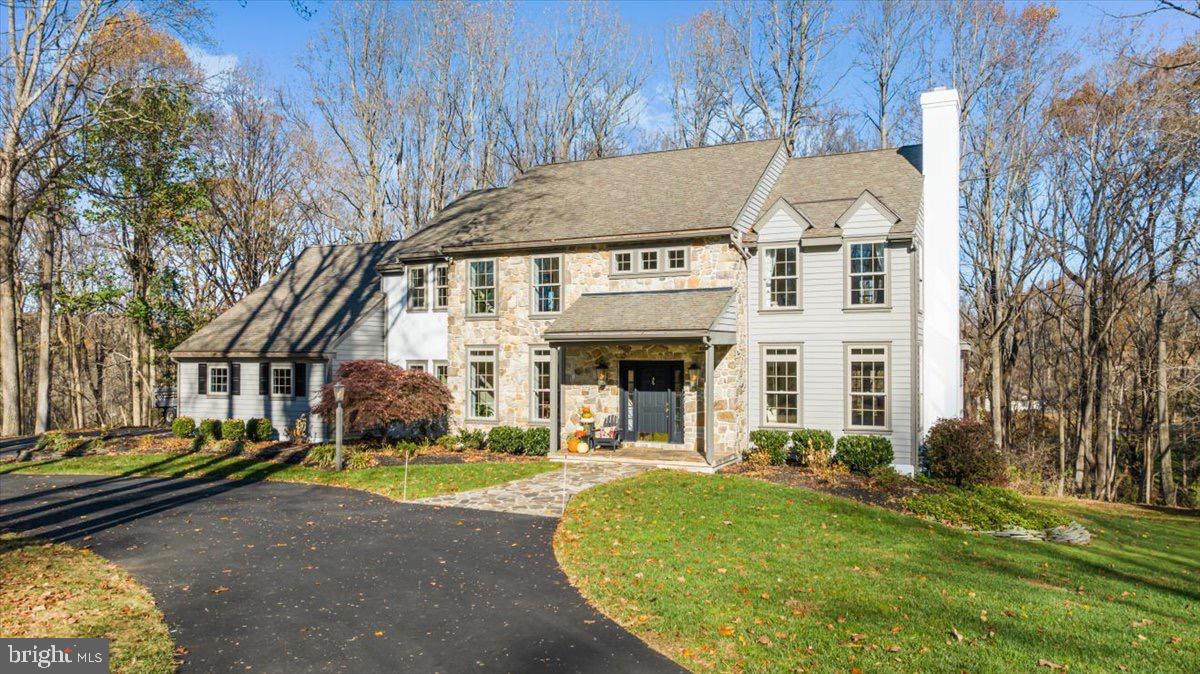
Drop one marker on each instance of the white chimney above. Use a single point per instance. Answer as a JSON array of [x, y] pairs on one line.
[[941, 362]]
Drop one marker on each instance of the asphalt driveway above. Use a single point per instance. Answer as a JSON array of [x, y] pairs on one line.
[[273, 577]]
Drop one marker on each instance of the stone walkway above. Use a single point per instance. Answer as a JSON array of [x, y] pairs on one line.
[[543, 494]]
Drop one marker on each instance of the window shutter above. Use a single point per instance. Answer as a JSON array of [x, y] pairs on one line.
[[300, 379], [235, 379], [202, 379], [264, 379]]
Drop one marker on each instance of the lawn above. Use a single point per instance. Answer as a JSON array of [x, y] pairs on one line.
[[732, 574], [423, 480], [54, 590]]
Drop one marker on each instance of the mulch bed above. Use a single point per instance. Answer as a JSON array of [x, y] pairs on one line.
[[846, 485]]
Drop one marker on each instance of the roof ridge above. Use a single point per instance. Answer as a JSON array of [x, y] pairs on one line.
[[892, 150], [648, 152]]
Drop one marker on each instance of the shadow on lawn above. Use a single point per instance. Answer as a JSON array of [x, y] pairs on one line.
[[91, 511]]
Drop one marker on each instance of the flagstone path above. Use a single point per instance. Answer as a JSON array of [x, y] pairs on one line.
[[544, 494]]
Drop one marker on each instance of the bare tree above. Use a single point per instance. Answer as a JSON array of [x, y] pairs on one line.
[[700, 61], [888, 34]]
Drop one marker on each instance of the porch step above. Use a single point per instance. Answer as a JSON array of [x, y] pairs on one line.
[[686, 461]]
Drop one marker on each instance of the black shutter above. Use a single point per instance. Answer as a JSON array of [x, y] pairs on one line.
[[264, 378], [235, 379], [202, 380], [300, 379]]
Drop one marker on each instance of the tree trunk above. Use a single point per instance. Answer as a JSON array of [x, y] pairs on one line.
[[1163, 419], [1062, 450], [41, 422], [135, 373], [10, 376], [999, 404]]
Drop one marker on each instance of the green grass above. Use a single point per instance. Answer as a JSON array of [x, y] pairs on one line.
[[985, 509], [423, 480], [54, 590], [728, 573]]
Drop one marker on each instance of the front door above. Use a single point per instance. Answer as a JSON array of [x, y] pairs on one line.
[[650, 400]]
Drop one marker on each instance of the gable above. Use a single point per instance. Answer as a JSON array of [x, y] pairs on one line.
[[781, 222], [867, 216]]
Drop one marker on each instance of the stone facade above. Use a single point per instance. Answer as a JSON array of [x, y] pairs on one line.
[[515, 331]]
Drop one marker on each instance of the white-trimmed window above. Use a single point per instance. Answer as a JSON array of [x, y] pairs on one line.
[[547, 283], [481, 383], [418, 365], [441, 370], [781, 277], [441, 287], [218, 379], [868, 386], [539, 384], [281, 380], [650, 261], [781, 385], [868, 274], [418, 288], [481, 288]]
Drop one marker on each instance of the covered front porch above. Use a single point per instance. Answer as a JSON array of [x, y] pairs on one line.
[[646, 365]]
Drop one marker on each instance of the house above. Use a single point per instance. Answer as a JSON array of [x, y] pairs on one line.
[[686, 297]]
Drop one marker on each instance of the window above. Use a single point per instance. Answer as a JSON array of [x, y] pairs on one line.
[[441, 370], [651, 261], [481, 383], [867, 274], [781, 385], [218, 379], [418, 365], [441, 287], [781, 270], [547, 284], [418, 295], [281, 380], [539, 384], [868, 386], [481, 288]]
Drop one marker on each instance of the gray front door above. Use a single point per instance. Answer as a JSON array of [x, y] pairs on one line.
[[650, 400]]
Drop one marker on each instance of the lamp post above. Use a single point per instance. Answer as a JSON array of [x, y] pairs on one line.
[[339, 395]]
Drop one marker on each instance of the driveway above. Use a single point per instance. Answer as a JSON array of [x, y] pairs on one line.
[[274, 577]]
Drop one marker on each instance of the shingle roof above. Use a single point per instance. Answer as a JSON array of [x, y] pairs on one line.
[[303, 310], [823, 187], [661, 313], [639, 194]]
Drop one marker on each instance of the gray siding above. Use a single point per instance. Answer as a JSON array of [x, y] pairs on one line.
[[282, 412], [824, 328], [365, 341], [757, 200], [727, 320]]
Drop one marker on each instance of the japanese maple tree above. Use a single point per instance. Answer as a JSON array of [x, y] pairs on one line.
[[378, 393]]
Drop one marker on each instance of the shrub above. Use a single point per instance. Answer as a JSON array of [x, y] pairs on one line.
[[210, 429], [983, 508], [472, 439], [320, 456], [774, 443], [537, 441], [183, 427], [357, 460], [506, 439], [406, 448], [862, 453], [233, 430], [198, 441], [378, 394], [811, 447], [1194, 493], [54, 441], [960, 451], [259, 430], [885, 477], [757, 458], [449, 441]]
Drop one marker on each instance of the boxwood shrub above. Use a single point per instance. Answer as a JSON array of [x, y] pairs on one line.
[[506, 439], [537, 441], [774, 443], [811, 447], [209, 429], [233, 430], [259, 430], [862, 453], [472, 439], [183, 427]]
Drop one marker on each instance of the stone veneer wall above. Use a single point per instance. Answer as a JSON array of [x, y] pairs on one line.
[[514, 332]]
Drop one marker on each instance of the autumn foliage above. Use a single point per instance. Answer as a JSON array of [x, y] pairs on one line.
[[379, 393]]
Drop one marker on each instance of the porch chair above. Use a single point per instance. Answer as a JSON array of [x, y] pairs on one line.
[[608, 434]]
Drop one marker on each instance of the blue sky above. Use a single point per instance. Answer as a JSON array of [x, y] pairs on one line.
[[270, 37]]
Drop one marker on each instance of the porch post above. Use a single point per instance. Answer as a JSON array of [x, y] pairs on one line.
[[710, 450], [555, 431]]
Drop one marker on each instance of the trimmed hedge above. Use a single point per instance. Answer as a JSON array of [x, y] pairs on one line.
[[259, 430], [472, 439], [774, 443], [863, 453], [183, 427], [537, 441], [209, 429], [233, 430], [506, 440], [960, 451], [811, 447]]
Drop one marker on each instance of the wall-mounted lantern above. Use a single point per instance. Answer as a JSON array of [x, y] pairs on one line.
[[694, 376], [602, 373]]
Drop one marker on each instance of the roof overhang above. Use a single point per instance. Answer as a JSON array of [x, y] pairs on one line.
[[696, 315], [706, 336], [249, 355]]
